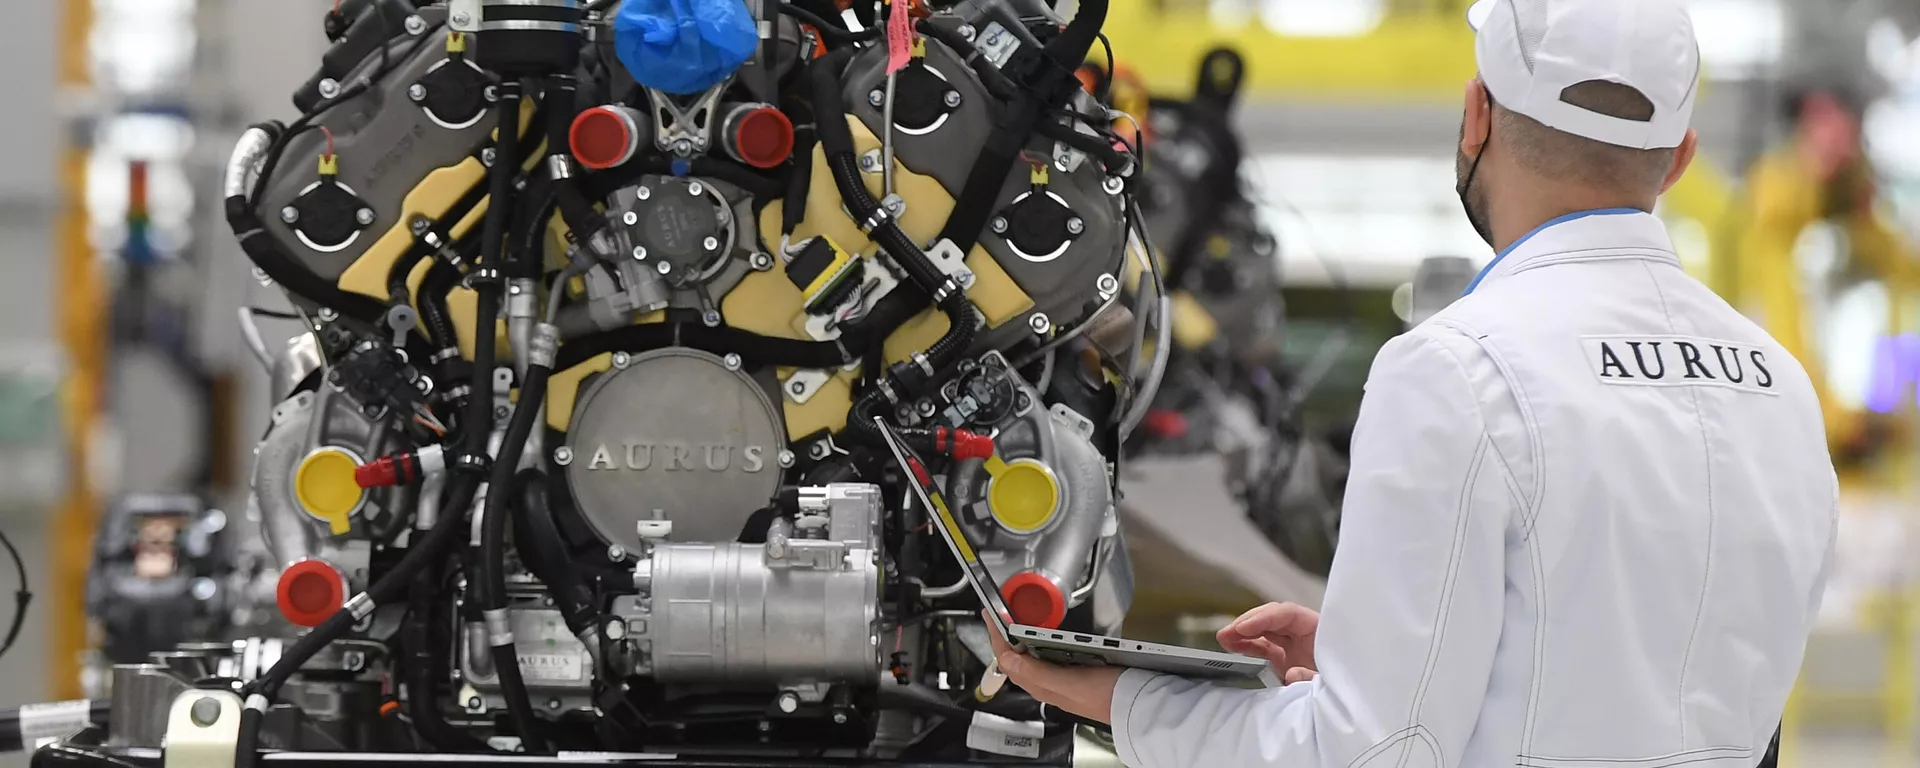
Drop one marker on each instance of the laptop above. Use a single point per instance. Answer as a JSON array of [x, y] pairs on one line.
[[1054, 645]]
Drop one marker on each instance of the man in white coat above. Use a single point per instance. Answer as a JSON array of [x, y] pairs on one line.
[[1591, 509]]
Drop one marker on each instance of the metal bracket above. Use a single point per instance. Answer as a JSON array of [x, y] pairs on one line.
[[951, 261], [675, 131]]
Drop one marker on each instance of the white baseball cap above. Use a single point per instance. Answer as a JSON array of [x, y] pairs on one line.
[[1530, 51]]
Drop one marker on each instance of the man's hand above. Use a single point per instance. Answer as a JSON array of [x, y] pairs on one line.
[[1281, 633], [1084, 691]]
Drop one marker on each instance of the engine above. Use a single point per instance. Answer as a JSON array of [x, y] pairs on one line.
[[578, 451]]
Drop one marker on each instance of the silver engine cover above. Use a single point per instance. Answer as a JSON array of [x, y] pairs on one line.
[[674, 434], [799, 609]]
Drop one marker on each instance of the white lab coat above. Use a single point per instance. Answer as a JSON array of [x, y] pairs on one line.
[[1589, 520]]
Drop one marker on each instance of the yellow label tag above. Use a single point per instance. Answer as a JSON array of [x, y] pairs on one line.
[[457, 42], [919, 47], [329, 165], [1039, 174], [995, 466]]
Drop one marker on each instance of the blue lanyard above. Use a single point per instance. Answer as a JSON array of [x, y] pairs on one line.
[[1537, 230]]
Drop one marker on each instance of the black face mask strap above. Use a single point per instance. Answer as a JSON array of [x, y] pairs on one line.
[[1474, 170]]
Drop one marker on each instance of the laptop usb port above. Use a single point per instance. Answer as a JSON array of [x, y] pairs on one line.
[[1111, 643]]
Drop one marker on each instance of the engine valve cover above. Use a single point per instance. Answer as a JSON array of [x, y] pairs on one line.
[[676, 434]]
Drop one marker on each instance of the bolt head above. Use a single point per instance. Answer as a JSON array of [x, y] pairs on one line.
[[925, 407], [492, 93], [416, 25], [765, 726], [869, 163], [682, 147], [953, 98], [1107, 284], [553, 704], [789, 702], [839, 718], [639, 253], [289, 214], [643, 193], [417, 92], [711, 318], [798, 387], [474, 703], [622, 360], [1039, 323], [999, 224], [732, 361], [876, 97], [1113, 185], [563, 455], [328, 315], [364, 216], [711, 243], [462, 19], [664, 267], [761, 262], [487, 156], [966, 31], [616, 629], [786, 458], [630, 218], [616, 553], [353, 660], [695, 189], [205, 711], [818, 450], [419, 224], [329, 88], [1076, 226]]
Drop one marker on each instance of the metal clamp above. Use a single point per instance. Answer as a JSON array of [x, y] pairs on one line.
[[544, 348], [877, 219], [472, 462], [946, 288]]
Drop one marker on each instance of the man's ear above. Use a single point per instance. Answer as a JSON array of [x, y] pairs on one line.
[[1682, 158], [1476, 124]]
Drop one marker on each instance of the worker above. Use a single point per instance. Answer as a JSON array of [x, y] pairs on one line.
[[1821, 173], [1591, 509]]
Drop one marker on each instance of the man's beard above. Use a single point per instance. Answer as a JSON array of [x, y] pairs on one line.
[[1472, 199]]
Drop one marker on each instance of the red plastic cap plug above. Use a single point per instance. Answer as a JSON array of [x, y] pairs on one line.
[[383, 472], [965, 445], [604, 137], [310, 591], [1165, 423], [760, 136], [1034, 600]]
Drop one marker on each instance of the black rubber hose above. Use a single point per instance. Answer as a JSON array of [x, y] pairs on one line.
[[492, 588], [440, 279], [424, 657], [487, 268], [836, 139], [832, 33], [538, 540]]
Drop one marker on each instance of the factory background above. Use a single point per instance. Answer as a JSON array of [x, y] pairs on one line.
[[1349, 124]]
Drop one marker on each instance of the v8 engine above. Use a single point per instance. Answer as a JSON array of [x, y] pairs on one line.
[[602, 301]]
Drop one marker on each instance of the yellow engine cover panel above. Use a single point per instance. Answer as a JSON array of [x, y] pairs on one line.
[[767, 303]]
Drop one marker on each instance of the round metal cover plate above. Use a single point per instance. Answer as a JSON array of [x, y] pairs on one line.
[[674, 436]]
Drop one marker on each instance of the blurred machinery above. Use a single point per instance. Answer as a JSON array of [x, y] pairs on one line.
[[576, 452], [1228, 389]]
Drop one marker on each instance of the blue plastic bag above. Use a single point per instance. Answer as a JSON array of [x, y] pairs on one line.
[[683, 46]]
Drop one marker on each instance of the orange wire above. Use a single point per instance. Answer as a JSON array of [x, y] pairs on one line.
[[329, 133]]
